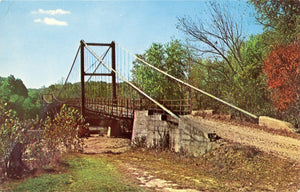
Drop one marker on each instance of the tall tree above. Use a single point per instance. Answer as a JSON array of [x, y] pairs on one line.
[[282, 67], [216, 36], [15, 94], [281, 18], [252, 93], [234, 62], [12, 86], [171, 58]]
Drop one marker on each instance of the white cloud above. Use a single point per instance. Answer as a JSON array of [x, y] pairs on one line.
[[51, 21], [51, 12], [37, 20]]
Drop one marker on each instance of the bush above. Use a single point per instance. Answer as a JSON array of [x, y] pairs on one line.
[[41, 147], [14, 138], [63, 130]]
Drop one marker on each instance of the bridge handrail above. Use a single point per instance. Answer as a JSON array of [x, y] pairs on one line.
[[121, 105]]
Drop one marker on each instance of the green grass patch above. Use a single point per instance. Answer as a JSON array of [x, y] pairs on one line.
[[47, 182], [83, 173]]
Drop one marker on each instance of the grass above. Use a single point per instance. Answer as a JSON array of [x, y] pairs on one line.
[[82, 173], [47, 182]]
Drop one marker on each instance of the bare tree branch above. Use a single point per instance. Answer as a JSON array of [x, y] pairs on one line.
[[220, 36]]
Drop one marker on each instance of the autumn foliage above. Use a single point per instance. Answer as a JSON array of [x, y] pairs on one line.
[[282, 67]]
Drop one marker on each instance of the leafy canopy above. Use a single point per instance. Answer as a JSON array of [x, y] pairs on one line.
[[25, 103], [170, 57], [281, 18]]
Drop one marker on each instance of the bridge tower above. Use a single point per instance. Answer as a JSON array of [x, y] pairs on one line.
[[111, 46]]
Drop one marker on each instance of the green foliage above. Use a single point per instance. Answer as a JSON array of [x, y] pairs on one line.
[[11, 86], [14, 132], [25, 103], [63, 129], [171, 58], [60, 134], [211, 76], [245, 87], [281, 18], [232, 69], [250, 90]]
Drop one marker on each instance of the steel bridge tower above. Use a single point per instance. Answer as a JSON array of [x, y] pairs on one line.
[[111, 46]]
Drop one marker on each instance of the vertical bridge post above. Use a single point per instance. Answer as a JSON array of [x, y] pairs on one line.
[[82, 77], [113, 74]]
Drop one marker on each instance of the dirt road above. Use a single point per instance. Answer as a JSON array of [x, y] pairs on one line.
[[282, 146]]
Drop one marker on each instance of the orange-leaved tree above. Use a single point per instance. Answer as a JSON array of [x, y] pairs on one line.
[[282, 67]]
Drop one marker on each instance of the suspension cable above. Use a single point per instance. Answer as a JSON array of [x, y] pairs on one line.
[[132, 85], [69, 72], [191, 86]]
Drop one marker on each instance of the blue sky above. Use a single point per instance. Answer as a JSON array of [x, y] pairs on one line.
[[39, 39]]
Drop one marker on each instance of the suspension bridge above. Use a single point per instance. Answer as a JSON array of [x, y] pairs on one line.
[[102, 83]]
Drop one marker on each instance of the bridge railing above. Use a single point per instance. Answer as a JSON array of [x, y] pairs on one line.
[[125, 107], [178, 106]]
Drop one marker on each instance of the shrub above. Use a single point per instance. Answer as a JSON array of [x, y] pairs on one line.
[[63, 129], [41, 147]]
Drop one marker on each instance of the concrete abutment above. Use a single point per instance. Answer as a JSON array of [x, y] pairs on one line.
[[183, 135]]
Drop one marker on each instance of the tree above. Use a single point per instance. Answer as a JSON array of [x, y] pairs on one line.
[[281, 18], [252, 93], [210, 76], [282, 68], [15, 94], [64, 129], [12, 86], [234, 68], [217, 36], [171, 58]]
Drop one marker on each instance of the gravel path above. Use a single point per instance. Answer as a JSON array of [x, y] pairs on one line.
[[282, 146], [98, 144]]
